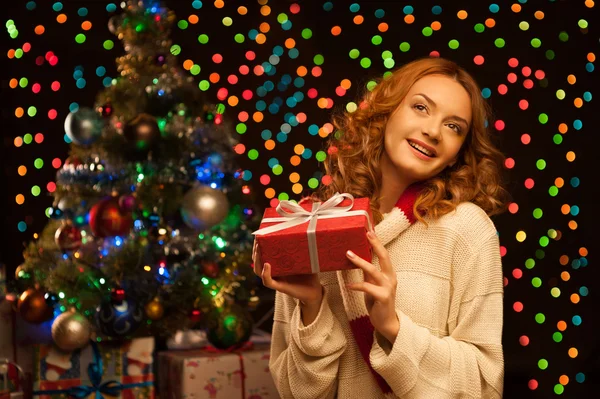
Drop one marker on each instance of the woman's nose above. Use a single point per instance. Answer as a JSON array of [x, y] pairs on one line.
[[433, 132]]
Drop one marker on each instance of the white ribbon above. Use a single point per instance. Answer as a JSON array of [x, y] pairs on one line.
[[320, 210]]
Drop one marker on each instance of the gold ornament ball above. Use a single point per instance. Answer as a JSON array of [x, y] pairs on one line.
[[71, 331], [32, 306], [155, 310], [18, 271], [21, 273]]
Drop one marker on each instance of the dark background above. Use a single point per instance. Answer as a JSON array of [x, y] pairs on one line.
[[570, 58]]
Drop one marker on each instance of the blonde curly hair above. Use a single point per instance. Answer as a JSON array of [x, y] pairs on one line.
[[355, 149]]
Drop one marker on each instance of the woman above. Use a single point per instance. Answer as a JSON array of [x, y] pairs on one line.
[[424, 318]]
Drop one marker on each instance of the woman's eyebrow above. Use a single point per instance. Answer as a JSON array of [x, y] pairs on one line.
[[434, 105]]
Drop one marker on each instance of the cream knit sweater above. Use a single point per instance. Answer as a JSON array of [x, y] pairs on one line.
[[448, 301]]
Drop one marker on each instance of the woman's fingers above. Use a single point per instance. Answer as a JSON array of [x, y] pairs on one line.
[[258, 267], [375, 291], [269, 282], [384, 258], [371, 273]]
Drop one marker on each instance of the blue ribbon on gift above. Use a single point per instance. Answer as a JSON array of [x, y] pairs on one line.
[[95, 371]]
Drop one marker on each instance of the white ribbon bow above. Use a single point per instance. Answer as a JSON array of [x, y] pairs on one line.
[[320, 210]]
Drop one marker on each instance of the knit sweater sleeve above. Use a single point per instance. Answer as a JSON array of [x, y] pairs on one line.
[[468, 363], [305, 359]]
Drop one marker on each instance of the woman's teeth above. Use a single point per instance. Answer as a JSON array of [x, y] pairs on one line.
[[421, 149]]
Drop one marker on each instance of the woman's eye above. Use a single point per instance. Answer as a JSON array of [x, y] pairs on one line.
[[420, 107], [454, 127]]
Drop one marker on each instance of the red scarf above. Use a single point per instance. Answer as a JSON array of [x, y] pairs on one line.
[[354, 302]]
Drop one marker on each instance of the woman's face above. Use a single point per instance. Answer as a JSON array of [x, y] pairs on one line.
[[435, 114]]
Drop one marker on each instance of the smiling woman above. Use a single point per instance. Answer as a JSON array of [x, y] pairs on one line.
[[423, 318], [432, 103], [422, 128]]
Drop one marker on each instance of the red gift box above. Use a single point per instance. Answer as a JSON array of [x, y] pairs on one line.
[[330, 228]]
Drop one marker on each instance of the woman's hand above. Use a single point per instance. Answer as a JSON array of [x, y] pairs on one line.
[[304, 287], [379, 287]]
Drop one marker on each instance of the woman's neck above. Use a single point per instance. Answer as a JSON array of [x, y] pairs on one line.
[[392, 186]]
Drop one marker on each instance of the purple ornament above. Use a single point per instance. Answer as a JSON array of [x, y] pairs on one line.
[[127, 203], [160, 60]]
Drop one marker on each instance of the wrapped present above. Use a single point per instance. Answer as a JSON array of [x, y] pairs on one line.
[[211, 373], [7, 330], [96, 371], [7, 320], [314, 237], [11, 378]]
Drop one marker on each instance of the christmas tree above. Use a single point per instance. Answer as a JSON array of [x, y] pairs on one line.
[[150, 230]]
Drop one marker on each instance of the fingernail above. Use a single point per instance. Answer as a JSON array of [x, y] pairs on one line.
[[350, 254]]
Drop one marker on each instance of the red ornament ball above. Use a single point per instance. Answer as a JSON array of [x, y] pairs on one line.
[[73, 161], [68, 237], [107, 219], [117, 295], [195, 315], [106, 110], [210, 269]]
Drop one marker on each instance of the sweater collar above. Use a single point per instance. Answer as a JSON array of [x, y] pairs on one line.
[[400, 217]]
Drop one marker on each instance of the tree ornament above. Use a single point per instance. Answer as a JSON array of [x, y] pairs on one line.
[[84, 126], [72, 162], [119, 320], [114, 22], [204, 207], [68, 237], [195, 315], [106, 110], [32, 306], [71, 331], [21, 274], [117, 295], [23, 279], [142, 134], [155, 309], [229, 326], [160, 59], [210, 269], [56, 213], [127, 203], [107, 219]]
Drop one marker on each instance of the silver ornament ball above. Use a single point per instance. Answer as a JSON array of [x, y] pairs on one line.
[[71, 331], [84, 126], [204, 207]]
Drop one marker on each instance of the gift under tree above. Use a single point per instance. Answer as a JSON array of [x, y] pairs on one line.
[[150, 230]]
